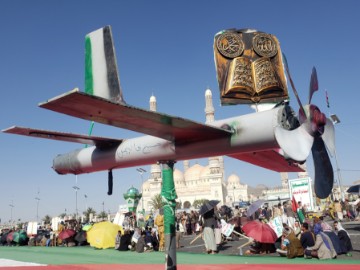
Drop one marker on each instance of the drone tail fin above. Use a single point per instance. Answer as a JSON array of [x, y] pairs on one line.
[[101, 72]]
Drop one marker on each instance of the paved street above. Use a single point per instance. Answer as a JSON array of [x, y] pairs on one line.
[[231, 247]]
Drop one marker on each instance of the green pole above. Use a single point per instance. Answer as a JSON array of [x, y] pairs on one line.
[[168, 195]]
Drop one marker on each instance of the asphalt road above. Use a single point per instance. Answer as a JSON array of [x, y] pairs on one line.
[[230, 247]]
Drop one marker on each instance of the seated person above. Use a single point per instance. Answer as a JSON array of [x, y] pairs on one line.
[[117, 240], [323, 248], [260, 248], [125, 241], [291, 246], [307, 238], [344, 239], [297, 229], [327, 229], [140, 244]]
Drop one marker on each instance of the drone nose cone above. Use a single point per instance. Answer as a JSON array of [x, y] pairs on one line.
[[318, 121], [319, 118]]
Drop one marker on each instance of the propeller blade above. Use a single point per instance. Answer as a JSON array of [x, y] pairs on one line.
[[314, 84], [296, 143], [329, 137], [292, 83], [324, 174]]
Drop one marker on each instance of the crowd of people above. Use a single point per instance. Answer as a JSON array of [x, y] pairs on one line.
[[301, 236]]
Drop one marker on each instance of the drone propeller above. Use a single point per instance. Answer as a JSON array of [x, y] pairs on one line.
[[322, 130]]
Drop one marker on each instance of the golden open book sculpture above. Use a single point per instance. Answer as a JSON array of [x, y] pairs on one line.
[[249, 67]]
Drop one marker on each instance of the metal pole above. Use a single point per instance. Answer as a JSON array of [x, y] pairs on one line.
[[76, 188], [335, 120], [85, 202], [168, 195], [11, 210], [339, 177], [37, 208]]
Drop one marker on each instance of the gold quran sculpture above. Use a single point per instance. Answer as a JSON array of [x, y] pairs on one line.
[[249, 67]]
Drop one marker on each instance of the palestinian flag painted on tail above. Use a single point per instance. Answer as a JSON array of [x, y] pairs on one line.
[[101, 73]]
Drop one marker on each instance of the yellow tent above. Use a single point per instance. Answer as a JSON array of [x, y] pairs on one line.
[[103, 234]]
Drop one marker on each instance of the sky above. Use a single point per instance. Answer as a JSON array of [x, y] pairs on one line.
[[164, 48]]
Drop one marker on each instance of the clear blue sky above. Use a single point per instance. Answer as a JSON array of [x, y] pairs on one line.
[[163, 48]]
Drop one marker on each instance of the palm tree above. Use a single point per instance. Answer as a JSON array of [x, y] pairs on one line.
[[88, 212], [156, 202], [102, 215], [198, 203], [47, 219]]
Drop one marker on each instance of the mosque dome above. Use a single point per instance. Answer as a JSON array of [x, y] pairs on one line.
[[133, 190], [205, 172], [178, 176], [233, 180], [193, 173], [152, 98], [132, 193]]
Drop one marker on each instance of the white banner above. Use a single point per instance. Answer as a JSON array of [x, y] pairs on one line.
[[302, 191], [226, 228], [276, 225]]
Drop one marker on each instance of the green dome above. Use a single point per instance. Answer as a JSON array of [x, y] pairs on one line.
[[132, 193], [132, 190]]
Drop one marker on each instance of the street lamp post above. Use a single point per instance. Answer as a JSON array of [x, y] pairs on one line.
[[11, 210], [85, 196], [335, 119], [76, 188], [141, 171], [37, 208]]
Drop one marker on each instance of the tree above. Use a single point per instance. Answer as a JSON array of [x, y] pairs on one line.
[[102, 215], [88, 212], [47, 219], [198, 203], [178, 205], [156, 202], [62, 215]]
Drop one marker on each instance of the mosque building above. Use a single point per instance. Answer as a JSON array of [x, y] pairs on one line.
[[194, 181]]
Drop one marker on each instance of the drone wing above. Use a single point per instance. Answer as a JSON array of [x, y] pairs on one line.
[[93, 108], [269, 159], [100, 142]]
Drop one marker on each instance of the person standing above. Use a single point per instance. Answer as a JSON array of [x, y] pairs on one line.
[[236, 211], [301, 213], [338, 210], [159, 222], [290, 215], [208, 223]]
